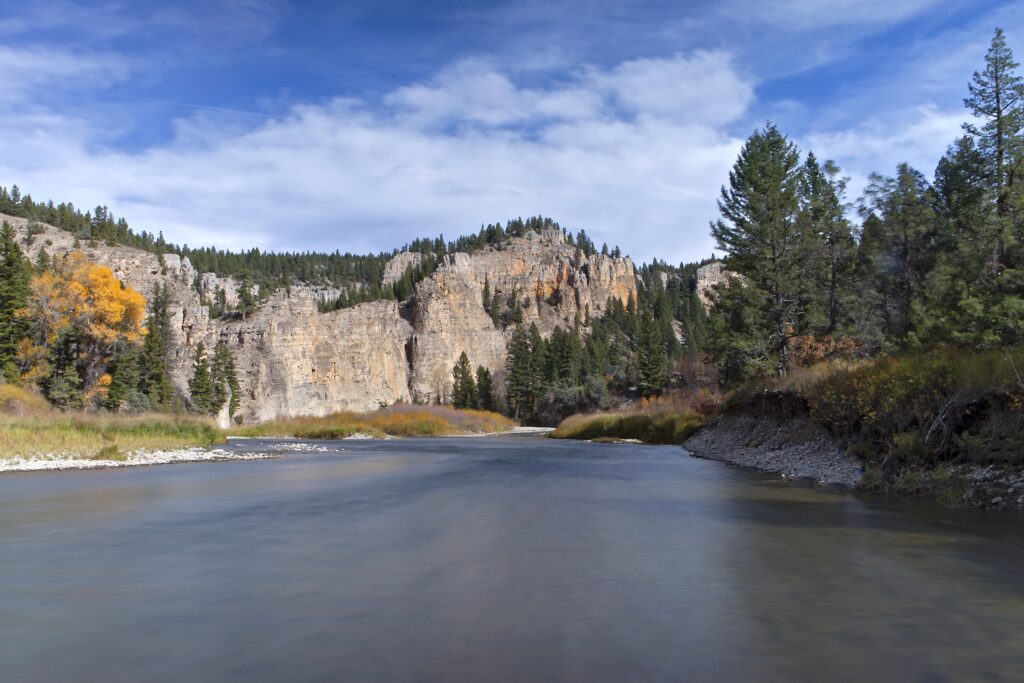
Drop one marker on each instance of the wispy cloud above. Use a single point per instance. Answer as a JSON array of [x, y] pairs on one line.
[[601, 151], [821, 14], [620, 117], [27, 74]]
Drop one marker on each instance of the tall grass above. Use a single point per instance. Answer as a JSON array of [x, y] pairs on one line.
[[83, 435], [398, 420], [669, 419]]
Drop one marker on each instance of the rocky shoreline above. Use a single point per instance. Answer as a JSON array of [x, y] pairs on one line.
[[799, 448], [795, 448]]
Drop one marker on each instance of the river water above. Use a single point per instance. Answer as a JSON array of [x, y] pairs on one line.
[[495, 559]]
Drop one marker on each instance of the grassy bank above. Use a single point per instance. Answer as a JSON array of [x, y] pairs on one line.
[[103, 437], [922, 423], [397, 420], [656, 422]]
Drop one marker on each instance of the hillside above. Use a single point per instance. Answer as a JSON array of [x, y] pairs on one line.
[[292, 359]]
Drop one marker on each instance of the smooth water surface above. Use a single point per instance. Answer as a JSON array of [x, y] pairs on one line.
[[499, 559]]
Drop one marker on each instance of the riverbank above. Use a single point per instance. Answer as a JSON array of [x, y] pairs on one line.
[[795, 448], [35, 437], [948, 426], [799, 448], [57, 436], [136, 459]]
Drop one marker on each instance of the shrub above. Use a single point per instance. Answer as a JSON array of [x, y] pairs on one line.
[[928, 408], [402, 419], [17, 401], [662, 428]]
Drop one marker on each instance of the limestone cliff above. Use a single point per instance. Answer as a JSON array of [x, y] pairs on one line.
[[293, 360], [709, 276]]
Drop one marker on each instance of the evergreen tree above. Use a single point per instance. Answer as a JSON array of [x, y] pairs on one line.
[[63, 385], [651, 364], [155, 382], [463, 387], [15, 273], [246, 298], [895, 247], [42, 263], [485, 389], [759, 232], [828, 242], [224, 380], [519, 374], [996, 98], [200, 387], [125, 373]]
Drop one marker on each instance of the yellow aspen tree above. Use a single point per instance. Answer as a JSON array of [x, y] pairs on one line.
[[87, 298]]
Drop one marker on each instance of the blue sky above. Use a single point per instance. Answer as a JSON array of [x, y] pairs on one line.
[[360, 125]]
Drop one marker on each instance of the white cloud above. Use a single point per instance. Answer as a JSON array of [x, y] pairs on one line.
[[918, 136], [702, 88], [809, 14], [27, 72], [637, 169]]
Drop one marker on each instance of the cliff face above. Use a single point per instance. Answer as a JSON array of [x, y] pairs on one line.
[[551, 280], [708, 277], [293, 360]]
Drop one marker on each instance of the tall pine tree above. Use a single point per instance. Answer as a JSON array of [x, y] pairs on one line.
[[15, 274], [761, 237]]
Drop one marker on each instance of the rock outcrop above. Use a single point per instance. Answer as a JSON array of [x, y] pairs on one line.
[[397, 266], [709, 276], [293, 360]]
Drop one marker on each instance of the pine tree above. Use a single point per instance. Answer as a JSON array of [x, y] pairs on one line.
[[125, 372], [246, 299], [485, 389], [154, 381], [224, 380], [200, 387], [42, 263], [15, 273], [463, 387], [895, 247], [759, 232], [651, 362], [828, 241], [518, 374], [996, 95]]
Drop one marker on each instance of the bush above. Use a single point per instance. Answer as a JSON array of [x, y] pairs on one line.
[[17, 401], [924, 409], [661, 428], [401, 419]]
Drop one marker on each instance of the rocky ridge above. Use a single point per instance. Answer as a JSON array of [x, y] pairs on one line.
[[293, 360]]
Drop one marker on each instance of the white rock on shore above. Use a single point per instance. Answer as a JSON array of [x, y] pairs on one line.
[[58, 462]]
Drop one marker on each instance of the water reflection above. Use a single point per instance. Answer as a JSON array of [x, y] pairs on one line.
[[498, 560]]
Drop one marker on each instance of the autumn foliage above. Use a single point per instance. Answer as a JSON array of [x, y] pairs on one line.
[[81, 307]]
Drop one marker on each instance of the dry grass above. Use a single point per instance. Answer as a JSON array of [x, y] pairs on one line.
[[399, 420], [17, 401], [664, 427], [85, 435]]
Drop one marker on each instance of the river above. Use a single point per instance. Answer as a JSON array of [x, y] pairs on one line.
[[495, 559]]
